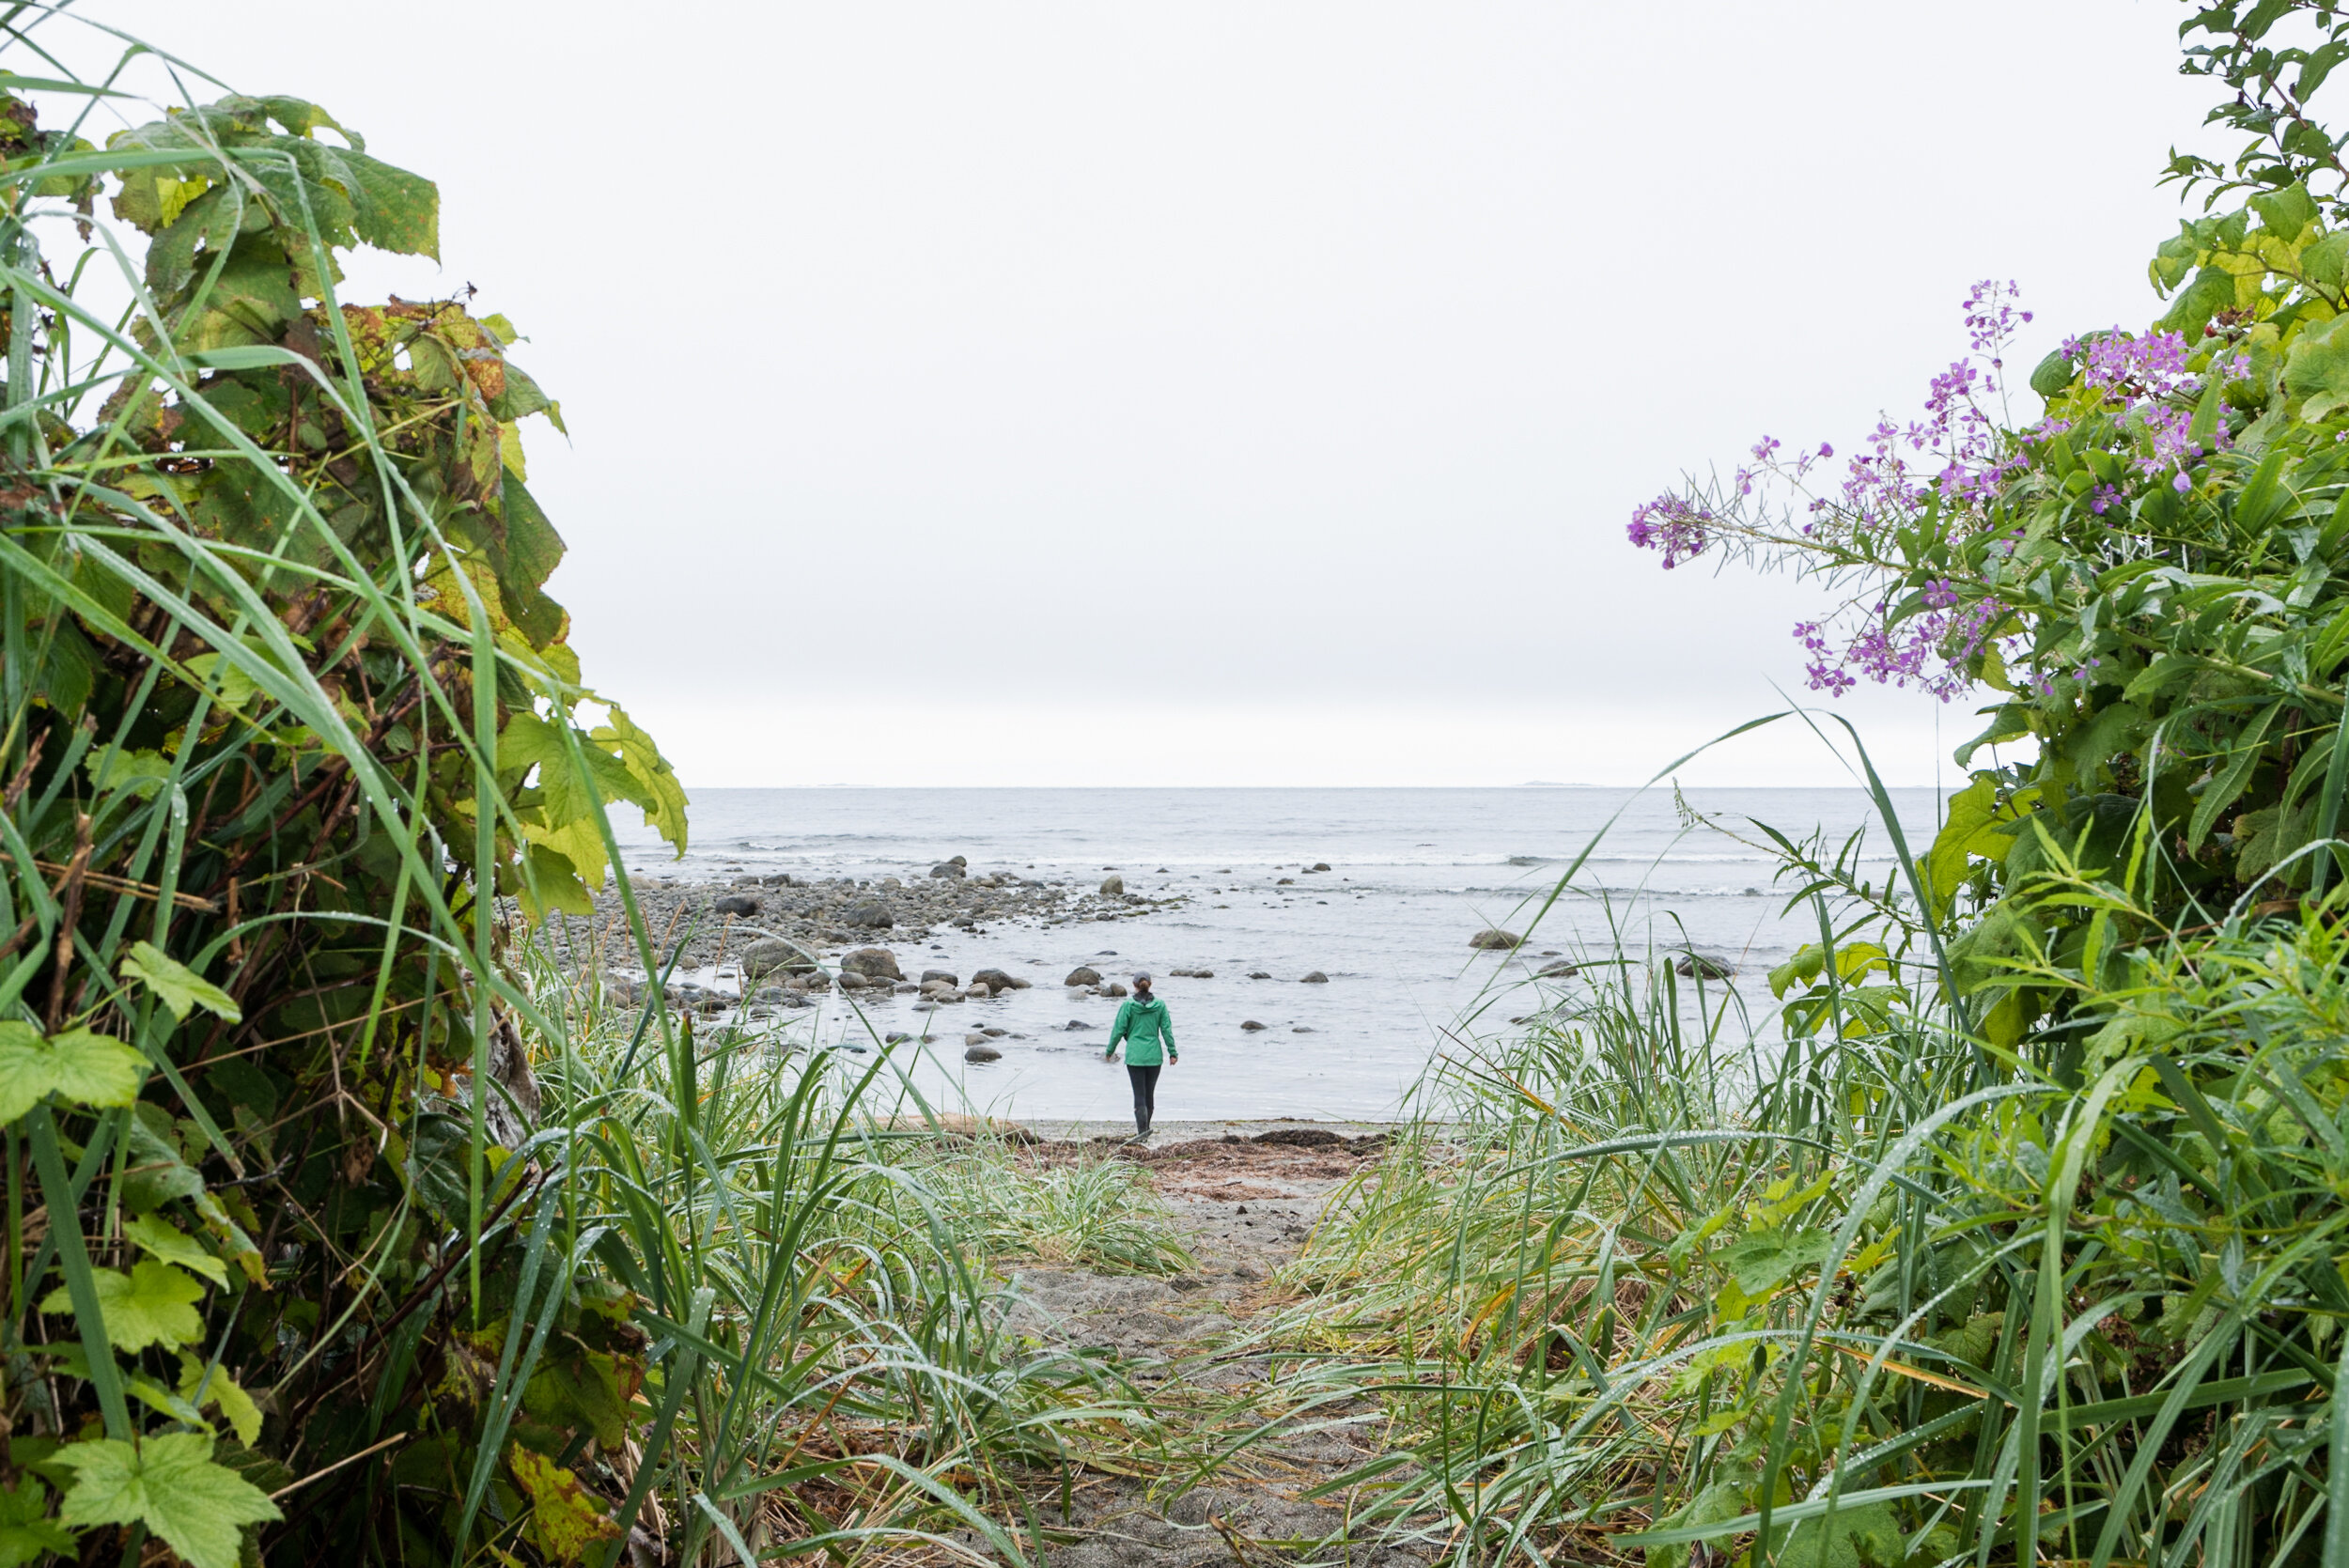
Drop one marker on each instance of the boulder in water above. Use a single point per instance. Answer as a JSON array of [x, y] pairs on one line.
[[773, 955], [1495, 940], [873, 963]]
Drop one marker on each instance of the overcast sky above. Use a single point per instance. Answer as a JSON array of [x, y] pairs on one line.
[[1251, 393]]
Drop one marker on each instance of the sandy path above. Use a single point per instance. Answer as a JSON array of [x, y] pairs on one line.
[[1244, 1207]]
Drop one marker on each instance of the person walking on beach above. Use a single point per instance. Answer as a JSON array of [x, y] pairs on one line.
[[1144, 1026]]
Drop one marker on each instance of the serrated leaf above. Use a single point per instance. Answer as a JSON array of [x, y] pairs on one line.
[[2286, 212], [153, 1304], [26, 1077], [1851, 1538], [223, 1392], [2316, 368], [169, 1244], [95, 1069], [91, 1069], [397, 211], [176, 986], [1765, 1257], [27, 1533], [660, 794], [170, 1485]]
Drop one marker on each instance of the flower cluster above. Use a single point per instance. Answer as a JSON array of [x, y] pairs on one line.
[[1952, 464], [2144, 381], [1674, 524], [1927, 650]]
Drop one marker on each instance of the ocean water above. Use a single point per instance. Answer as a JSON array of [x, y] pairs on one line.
[[1414, 872]]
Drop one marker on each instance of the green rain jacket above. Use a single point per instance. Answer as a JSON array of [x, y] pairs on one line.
[[1144, 1027]]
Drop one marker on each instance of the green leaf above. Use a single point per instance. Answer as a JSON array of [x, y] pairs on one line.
[[2053, 374], [1849, 1538], [1722, 1501], [96, 1069], [2220, 792], [2316, 368], [2324, 261], [90, 1070], [170, 1244], [1808, 964], [230, 686], [177, 987], [1765, 1257], [153, 1304], [27, 1533], [170, 1485], [26, 1077], [224, 1394], [397, 211], [2286, 212], [142, 773]]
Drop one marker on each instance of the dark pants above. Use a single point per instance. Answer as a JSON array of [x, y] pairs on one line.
[[1145, 1095]]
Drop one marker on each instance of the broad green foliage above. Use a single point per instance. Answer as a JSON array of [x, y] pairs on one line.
[[85, 1068], [169, 1484], [284, 701], [177, 987], [2021, 1239], [153, 1304]]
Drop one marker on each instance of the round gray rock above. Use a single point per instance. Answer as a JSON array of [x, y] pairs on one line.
[[1083, 974], [873, 963], [773, 955]]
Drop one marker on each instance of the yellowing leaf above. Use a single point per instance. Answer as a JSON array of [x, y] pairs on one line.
[[169, 1244], [176, 986], [565, 1516], [2316, 369], [169, 1484], [153, 1304], [664, 795], [223, 1394]]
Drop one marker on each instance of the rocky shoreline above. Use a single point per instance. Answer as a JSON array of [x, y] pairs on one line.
[[792, 935]]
